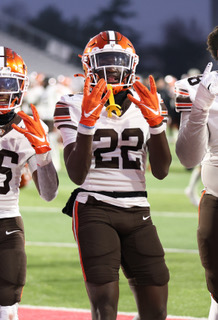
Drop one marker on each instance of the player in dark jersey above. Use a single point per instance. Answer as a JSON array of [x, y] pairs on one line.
[[22, 141], [108, 133], [197, 100]]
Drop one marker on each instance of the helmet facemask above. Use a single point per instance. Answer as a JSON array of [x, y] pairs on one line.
[[116, 65]]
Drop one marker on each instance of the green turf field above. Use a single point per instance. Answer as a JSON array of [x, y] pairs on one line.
[[54, 276]]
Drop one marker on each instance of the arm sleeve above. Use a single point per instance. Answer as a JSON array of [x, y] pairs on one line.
[[193, 135], [46, 175], [192, 140]]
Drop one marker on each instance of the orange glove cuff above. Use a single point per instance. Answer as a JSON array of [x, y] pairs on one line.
[[88, 122], [153, 122], [41, 149]]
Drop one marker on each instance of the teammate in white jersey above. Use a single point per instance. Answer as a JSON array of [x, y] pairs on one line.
[[197, 99], [22, 140], [108, 133]]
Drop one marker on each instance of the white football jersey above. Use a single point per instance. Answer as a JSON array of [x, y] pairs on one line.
[[119, 149], [185, 91], [15, 151]]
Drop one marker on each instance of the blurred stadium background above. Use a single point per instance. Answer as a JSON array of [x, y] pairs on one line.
[[54, 277]]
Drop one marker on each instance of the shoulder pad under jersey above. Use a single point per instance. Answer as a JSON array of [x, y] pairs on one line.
[[68, 108], [185, 91]]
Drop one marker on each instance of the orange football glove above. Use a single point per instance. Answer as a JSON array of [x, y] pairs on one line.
[[93, 102], [149, 103], [34, 131]]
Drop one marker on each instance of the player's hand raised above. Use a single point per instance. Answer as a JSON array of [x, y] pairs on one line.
[[207, 89], [210, 79], [33, 131], [149, 102], [93, 102]]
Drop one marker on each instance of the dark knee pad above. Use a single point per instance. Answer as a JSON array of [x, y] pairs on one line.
[[101, 274], [12, 275]]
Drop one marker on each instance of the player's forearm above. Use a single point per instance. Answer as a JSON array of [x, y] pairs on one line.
[[77, 157], [193, 136], [159, 155], [47, 177]]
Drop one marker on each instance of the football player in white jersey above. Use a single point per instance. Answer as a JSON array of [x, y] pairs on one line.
[[108, 132], [22, 140], [197, 100]]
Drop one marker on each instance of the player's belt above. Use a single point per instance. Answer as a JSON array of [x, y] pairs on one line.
[[114, 194]]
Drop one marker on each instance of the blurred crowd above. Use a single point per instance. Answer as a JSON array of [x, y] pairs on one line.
[[44, 92]]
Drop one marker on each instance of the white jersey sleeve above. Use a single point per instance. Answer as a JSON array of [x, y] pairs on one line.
[[67, 116], [192, 140], [185, 92]]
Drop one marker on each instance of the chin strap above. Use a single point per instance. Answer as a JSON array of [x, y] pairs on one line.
[[13, 101], [112, 106]]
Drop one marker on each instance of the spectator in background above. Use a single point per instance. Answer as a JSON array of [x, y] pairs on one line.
[[34, 92], [162, 89], [45, 91], [174, 117]]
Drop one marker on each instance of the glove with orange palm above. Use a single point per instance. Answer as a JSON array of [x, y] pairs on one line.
[[149, 102], [92, 105], [33, 131]]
